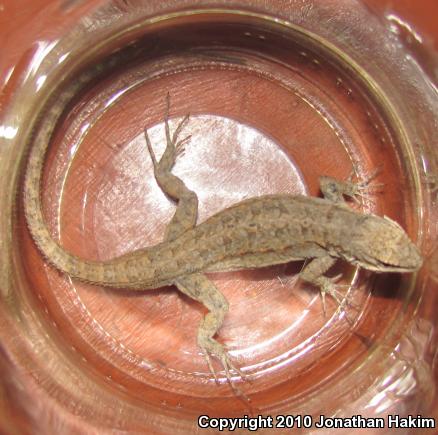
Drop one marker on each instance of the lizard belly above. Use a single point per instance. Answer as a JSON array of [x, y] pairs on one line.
[[265, 259]]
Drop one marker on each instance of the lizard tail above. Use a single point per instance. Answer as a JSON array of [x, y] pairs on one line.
[[54, 253]]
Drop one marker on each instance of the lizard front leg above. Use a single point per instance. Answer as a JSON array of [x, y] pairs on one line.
[[314, 272], [334, 190]]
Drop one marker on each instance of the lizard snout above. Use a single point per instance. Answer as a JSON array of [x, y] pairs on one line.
[[382, 245]]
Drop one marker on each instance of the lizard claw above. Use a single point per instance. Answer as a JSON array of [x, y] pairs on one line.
[[210, 366], [180, 146], [179, 127]]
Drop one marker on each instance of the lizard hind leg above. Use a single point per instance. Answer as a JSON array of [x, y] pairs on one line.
[[200, 288], [187, 202]]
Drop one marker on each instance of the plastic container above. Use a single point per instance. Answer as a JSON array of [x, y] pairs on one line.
[[278, 95]]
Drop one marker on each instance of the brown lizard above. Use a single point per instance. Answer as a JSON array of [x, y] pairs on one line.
[[257, 232]]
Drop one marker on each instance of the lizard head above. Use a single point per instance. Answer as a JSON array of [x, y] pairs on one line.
[[380, 244]]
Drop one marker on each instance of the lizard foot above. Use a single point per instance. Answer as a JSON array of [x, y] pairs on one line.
[[363, 189], [175, 146], [329, 286], [212, 347]]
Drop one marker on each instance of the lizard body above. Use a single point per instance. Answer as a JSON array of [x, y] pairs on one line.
[[257, 232]]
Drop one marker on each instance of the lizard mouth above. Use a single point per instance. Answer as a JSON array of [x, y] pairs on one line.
[[413, 263], [382, 266], [385, 267]]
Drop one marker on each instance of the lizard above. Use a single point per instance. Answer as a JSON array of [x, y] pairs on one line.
[[256, 232]]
